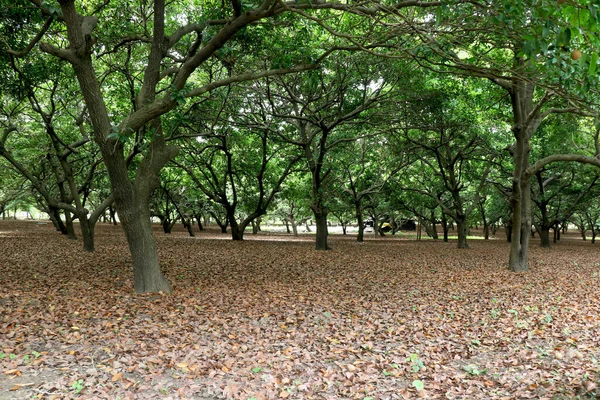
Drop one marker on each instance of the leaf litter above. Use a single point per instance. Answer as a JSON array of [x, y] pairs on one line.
[[275, 319]]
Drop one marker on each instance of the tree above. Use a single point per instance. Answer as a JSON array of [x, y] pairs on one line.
[[238, 160], [317, 107], [365, 167], [522, 48]]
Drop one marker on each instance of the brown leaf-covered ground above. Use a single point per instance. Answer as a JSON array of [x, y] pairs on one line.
[[272, 318]]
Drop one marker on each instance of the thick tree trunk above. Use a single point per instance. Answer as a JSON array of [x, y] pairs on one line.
[[461, 227], [544, 236], [146, 267], [167, 225], [294, 226], [322, 232], [237, 231], [526, 121], [87, 233]]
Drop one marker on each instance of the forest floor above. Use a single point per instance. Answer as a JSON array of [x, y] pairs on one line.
[[271, 318]]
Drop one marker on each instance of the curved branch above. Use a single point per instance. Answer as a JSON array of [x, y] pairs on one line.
[[537, 166]]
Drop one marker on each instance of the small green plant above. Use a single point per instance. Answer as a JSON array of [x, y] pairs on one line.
[[418, 384], [476, 342], [256, 369], [77, 386], [12, 356], [548, 318], [495, 313], [36, 354], [386, 373], [416, 362], [474, 370], [2, 355]]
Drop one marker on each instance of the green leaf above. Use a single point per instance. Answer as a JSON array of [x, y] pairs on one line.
[[256, 369], [593, 64], [418, 384]]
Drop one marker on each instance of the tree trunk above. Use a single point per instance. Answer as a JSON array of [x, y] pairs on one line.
[[544, 232], [237, 232], [322, 233], [70, 228], [461, 227], [445, 227], [87, 232], [54, 216], [361, 224], [199, 222], [188, 224], [167, 225], [434, 233], [112, 212], [287, 225]]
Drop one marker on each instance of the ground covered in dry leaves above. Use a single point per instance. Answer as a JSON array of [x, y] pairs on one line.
[[273, 318]]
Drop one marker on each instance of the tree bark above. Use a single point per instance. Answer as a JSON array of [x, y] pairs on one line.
[[322, 232], [526, 120], [544, 232], [461, 227], [361, 224], [69, 225]]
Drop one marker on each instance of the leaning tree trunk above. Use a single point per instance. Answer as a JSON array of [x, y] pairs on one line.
[[56, 220], [199, 222], [69, 225], [188, 224]]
